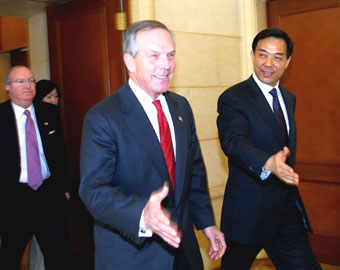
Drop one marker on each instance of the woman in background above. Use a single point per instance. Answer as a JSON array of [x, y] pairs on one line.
[[46, 91]]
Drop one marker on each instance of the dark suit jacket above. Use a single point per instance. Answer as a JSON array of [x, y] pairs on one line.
[[249, 135], [122, 164], [51, 133]]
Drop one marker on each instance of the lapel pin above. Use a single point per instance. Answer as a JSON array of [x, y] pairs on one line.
[[180, 119], [45, 123]]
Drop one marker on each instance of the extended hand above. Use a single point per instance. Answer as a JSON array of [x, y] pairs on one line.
[[67, 195], [158, 219], [217, 242], [277, 165]]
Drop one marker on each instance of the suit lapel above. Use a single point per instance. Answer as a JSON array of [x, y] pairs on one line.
[[264, 109], [140, 126], [13, 137], [44, 124], [38, 115], [180, 124], [291, 119]]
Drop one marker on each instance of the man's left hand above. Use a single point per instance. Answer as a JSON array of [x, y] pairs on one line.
[[217, 242], [67, 195]]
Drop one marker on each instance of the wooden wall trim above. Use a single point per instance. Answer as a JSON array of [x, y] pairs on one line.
[[320, 173], [289, 7]]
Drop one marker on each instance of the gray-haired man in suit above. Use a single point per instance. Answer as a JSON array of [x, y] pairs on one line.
[[141, 221], [27, 209]]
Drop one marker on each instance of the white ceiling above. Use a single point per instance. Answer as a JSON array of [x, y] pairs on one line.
[[25, 8]]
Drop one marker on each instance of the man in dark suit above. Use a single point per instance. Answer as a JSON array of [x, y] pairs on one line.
[[141, 221], [262, 207], [26, 208]]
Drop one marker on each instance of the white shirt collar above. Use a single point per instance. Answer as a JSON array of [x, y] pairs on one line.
[[142, 96], [19, 111], [265, 88]]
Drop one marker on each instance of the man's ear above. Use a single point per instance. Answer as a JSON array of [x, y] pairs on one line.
[[252, 56], [130, 63], [288, 61], [7, 89]]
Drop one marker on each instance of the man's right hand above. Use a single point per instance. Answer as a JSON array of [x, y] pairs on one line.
[[277, 165], [158, 219]]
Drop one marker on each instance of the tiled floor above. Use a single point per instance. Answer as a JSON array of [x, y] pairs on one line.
[[329, 267], [266, 264]]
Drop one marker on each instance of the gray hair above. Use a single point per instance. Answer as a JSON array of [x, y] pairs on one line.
[[7, 77], [129, 42], [9, 72]]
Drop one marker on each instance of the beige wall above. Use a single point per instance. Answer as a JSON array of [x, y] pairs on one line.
[[213, 48], [39, 56], [38, 53]]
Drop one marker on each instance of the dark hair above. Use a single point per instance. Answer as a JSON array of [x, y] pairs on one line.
[[276, 33], [43, 88]]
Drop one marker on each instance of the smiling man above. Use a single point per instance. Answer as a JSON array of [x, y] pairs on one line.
[[142, 174], [262, 207]]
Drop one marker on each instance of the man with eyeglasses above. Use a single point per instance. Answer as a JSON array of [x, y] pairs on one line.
[[34, 176]]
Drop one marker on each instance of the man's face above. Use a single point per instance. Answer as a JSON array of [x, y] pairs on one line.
[[270, 60], [153, 67], [22, 87]]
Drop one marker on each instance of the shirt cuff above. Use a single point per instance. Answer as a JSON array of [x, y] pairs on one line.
[[265, 174], [143, 230]]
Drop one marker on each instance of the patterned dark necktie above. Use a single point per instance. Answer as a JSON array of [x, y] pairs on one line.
[[34, 173], [166, 142], [279, 115]]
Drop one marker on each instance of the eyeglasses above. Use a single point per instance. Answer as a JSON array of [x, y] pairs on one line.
[[22, 82]]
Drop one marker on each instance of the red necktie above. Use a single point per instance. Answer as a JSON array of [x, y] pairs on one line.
[[166, 142], [34, 173]]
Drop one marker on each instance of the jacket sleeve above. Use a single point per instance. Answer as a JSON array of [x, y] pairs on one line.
[[106, 202], [200, 203], [235, 133]]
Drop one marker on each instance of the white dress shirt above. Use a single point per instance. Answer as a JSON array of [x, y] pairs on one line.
[[150, 109], [21, 122], [265, 88]]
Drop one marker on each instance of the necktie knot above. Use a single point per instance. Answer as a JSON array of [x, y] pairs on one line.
[[273, 92], [158, 105], [27, 113]]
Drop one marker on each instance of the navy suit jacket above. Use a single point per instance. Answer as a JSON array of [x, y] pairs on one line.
[[122, 164], [249, 135], [51, 133]]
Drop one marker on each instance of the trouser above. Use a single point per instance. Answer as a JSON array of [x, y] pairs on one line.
[[289, 249], [180, 262], [49, 225]]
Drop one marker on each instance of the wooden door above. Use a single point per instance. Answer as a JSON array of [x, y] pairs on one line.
[[85, 61], [314, 77]]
